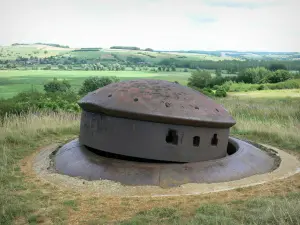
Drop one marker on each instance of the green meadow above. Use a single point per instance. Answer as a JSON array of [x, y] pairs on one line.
[[14, 81]]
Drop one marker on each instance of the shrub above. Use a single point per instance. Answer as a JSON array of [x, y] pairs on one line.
[[237, 87], [206, 91], [48, 67], [199, 79], [261, 87], [57, 86], [279, 76], [253, 75], [277, 66], [61, 67], [93, 83], [220, 93], [289, 84], [27, 101]]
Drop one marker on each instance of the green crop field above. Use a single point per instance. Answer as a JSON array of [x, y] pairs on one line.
[[14, 81]]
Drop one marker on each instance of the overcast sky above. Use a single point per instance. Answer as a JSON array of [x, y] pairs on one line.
[[261, 25]]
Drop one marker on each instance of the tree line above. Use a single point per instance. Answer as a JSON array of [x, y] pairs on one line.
[[260, 77]]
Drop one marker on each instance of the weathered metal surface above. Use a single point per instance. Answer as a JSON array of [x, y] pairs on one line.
[[157, 101], [75, 160], [147, 140]]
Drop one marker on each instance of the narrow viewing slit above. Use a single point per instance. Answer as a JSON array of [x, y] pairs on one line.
[[214, 140], [172, 137], [196, 141]]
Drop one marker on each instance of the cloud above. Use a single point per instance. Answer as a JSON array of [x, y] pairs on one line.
[[159, 24], [202, 19], [248, 4]]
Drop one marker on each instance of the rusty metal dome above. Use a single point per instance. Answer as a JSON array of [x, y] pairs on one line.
[[157, 101]]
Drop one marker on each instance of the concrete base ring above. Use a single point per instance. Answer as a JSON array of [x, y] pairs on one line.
[[247, 167]]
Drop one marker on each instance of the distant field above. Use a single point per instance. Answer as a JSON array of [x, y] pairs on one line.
[[43, 51], [153, 57], [292, 93], [14, 81], [40, 51]]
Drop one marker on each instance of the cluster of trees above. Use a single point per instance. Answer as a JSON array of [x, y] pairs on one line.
[[262, 75], [57, 86], [264, 78], [202, 81], [93, 83], [125, 47], [89, 85], [31, 101], [167, 68], [109, 67], [231, 66], [57, 96], [53, 45]]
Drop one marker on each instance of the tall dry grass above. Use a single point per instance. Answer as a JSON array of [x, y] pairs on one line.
[[30, 124], [20, 136], [272, 121], [275, 122]]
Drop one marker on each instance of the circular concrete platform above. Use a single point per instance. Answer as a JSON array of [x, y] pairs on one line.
[[76, 160], [44, 168]]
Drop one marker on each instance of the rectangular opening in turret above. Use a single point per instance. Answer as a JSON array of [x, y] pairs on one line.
[[172, 137]]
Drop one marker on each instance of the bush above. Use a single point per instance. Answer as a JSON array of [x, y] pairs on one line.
[[254, 75], [199, 79], [277, 66], [93, 83], [61, 67], [289, 84], [48, 67], [27, 101], [220, 93], [239, 87], [57, 86], [279, 76], [206, 91], [261, 87]]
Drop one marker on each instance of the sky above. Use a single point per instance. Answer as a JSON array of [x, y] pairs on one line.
[[242, 25]]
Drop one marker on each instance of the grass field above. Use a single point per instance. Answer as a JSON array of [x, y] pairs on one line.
[[12, 52], [275, 94], [24, 199], [14, 81]]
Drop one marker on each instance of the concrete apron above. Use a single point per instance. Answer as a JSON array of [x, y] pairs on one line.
[[289, 166]]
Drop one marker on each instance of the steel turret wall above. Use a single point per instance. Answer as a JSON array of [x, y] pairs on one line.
[[149, 140]]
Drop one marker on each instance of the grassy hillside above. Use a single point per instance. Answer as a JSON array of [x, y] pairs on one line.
[[152, 57], [40, 51], [25, 199], [12, 52]]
